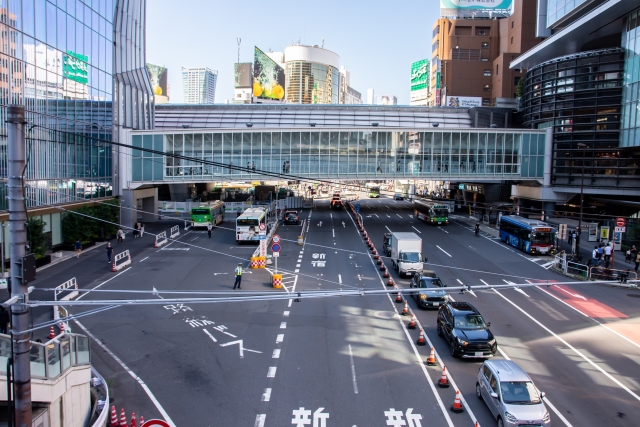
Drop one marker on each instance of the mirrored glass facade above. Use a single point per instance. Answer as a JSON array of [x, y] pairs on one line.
[[56, 60], [311, 83], [630, 128], [556, 9], [343, 153]]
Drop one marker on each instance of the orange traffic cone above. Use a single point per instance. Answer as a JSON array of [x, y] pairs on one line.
[[133, 420], [412, 323], [431, 361], [114, 417], [52, 332], [382, 266], [141, 420], [399, 298], [390, 281], [113, 266], [421, 340], [405, 311], [62, 327], [457, 404], [386, 273], [444, 379], [123, 418], [375, 255]]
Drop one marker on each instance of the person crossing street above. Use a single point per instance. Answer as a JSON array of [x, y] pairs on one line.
[[238, 272], [209, 228]]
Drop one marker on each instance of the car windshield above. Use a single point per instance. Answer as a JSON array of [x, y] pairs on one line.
[[410, 256], [542, 238], [441, 212], [470, 321], [519, 393], [200, 211], [430, 283]]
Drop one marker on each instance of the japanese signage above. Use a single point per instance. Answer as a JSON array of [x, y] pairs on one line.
[[464, 101], [476, 4], [419, 75]]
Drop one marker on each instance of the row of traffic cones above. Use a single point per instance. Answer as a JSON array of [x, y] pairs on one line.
[[52, 332], [123, 419]]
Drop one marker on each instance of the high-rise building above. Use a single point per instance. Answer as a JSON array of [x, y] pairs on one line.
[[371, 98], [386, 100], [199, 85], [348, 95], [312, 75]]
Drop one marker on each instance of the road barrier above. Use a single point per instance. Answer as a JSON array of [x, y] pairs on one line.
[[161, 239], [69, 284], [188, 225], [602, 273], [301, 236], [276, 280], [175, 232], [118, 263]]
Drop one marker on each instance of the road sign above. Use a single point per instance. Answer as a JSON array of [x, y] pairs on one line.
[[276, 254], [276, 238], [262, 236], [275, 247], [620, 229], [155, 423], [263, 227], [621, 222]]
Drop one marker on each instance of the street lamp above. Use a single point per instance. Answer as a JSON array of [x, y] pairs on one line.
[[584, 155]]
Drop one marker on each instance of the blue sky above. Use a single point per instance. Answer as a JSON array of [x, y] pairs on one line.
[[376, 40]]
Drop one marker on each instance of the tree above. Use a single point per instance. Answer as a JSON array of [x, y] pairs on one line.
[[91, 222], [520, 88], [36, 237]]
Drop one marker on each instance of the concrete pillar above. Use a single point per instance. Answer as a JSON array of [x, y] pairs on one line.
[[549, 208], [128, 216], [179, 192], [150, 208], [548, 152]]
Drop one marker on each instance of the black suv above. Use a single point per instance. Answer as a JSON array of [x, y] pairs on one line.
[[431, 294], [291, 217], [462, 325]]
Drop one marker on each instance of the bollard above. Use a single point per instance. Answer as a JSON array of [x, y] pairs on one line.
[[254, 262], [300, 240], [276, 280]]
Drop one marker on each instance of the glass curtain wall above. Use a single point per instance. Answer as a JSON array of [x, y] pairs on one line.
[[310, 83], [630, 127]]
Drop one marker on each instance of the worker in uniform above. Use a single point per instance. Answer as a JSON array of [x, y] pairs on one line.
[[238, 272]]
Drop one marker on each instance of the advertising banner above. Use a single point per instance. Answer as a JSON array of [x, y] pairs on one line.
[[75, 67], [159, 79], [419, 75], [242, 75], [268, 77], [464, 101], [476, 4]]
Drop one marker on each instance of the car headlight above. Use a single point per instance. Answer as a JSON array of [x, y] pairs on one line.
[[492, 342], [423, 296], [510, 417], [461, 342], [546, 418]]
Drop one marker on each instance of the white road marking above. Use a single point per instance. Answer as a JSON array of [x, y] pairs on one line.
[[353, 372], [399, 215], [388, 216], [143, 259], [279, 338], [376, 215], [210, 336], [174, 249], [470, 291], [333, 231], [296, 271], [340, 278], [443, 230], [572, 348], [573, 295], [546, 399], [285, 314], [266, 395], [272, 372], [416, 229], [103, 283], [283, 325], [443, 251], [297, 265], [387, 229], [260, 420], [485, 282], [517, 289], [343, 225], [144, 386], [410, 216], [276, 354]]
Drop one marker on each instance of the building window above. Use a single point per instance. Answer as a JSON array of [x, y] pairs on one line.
[[485, 45], [486, 88], [434, 47], [487, 73], [482, 32], [511, 40], [497, 65], [436, 31], [486, 101], [516, 80], [511, 24]]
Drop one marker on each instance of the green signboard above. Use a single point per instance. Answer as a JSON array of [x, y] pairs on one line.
[[419, 75], [75, 67], [438, 80]]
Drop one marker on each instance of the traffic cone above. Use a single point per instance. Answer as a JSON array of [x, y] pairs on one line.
[[133, 420], [390, 281], [379, 261], [457, 404], [113, 266], [382, 267], [431, 361], [141, 420], [386, 273], [114, 417], [375, 255], [444, 379], [421, 340], [405, 311], [399, 298], [52, 332], [123, 418], [62, 327], [412, 322]]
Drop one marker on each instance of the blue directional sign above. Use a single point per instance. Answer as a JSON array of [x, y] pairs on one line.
[[275, 247], [358, 207]]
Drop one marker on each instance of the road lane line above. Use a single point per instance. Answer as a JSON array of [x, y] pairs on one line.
[[340, 278], [416, 229], [333, 231], [399, 215], [546, 399], [210, 336], [276, 354], [516, 288], [443, 230], [572, 348], [103, 283], [353, 371], [443, 251], [388, 216], [272, 372], [266, 395], [144, 386], [283, 325], [143, 259], [376, 215], [286, 314], [387, 229], [279, 338], [260, 420]]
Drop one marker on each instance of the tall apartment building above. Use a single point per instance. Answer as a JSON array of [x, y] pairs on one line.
[[312, 75], [348, 95], [199, 85], [470, 57]]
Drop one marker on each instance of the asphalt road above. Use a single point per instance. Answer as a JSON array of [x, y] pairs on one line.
[[348, 361]]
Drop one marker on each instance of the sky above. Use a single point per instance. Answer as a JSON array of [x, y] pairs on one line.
[[377, 40]]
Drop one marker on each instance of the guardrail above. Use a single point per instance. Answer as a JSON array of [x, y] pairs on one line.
[[161, 239], [122, 255], [69, 284], [101, 406]]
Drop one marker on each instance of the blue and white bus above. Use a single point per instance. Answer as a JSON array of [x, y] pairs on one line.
[[528, 235]]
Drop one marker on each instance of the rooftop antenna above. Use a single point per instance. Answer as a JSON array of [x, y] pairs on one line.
[[323, 42], [238, 39]]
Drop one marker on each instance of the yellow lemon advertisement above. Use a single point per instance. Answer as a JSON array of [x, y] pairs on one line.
[[268, 77]]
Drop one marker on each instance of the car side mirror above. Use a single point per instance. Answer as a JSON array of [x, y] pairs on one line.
[[426, 259], [543, 394], [494, 395], [488, 324]]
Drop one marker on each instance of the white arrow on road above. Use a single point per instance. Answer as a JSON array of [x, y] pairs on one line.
[[242, 349], [215, 274], [573, 295], [516, 288]]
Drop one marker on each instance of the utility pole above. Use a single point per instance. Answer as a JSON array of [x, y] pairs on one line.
[[16, 159]]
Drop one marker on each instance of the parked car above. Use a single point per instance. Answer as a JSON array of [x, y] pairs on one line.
[[291, 217], [462, 325], [398, 196], [510, 394], [431, 294]]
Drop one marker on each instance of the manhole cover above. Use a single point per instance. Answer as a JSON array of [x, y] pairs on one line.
[[385, 314], [634, 295]]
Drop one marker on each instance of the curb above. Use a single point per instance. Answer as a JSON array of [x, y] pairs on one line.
[[58, 261]]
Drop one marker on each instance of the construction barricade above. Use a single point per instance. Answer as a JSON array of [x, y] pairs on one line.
[[262, 261], [253, 263], [69, 284], [121, 260], [276, 280], [175, 232], [161, 239]]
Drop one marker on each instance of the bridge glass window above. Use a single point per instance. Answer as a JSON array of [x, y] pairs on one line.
[[334, 148], [294, 158]]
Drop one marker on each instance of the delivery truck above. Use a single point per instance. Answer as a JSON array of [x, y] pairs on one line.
[[406, 253]]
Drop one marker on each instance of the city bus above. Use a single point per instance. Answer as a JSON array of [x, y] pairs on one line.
[[374, 192], [248, 224], [431, 212], [211, 213], [528, 235]]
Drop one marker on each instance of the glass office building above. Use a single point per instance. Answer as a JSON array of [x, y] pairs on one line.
[[630, 128], [557, 9], [310, 83]]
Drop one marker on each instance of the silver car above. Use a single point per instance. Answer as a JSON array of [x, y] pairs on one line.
[[510, 395]]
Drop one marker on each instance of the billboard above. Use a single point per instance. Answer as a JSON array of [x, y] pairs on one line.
[[242, 75], [464, 101], [419, 75], [476, 4], [75, 67], [268, 77], [159, 79]]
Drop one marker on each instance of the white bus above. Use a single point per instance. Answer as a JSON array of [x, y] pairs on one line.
[[248, 224]]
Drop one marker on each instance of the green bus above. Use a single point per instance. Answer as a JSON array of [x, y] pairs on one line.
[[211, 213], [374, 192], [431, 212]]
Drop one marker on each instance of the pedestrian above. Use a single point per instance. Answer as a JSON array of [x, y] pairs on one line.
[[607, 255], [141, 229], [78, 248], [209, 228], [637, 262], [238, 272], [595, 256], [136, 227], [446, 167], [109, 250], [120, 235], [253, 166], [4, 320]]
